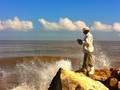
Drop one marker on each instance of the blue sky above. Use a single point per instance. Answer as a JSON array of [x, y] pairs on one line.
[[59, 19]]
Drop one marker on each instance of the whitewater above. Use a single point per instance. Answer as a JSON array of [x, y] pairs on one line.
[[37, 75]]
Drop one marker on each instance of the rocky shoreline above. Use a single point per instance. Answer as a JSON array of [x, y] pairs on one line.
[[109, 77], [104, 79]]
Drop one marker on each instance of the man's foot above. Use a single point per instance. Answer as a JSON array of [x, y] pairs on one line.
[[91, 72]]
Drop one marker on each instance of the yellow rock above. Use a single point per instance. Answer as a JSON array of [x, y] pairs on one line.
[[74, 80], [69, 80]]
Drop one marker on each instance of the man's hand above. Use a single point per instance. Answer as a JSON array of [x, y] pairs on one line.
[[80, 41]]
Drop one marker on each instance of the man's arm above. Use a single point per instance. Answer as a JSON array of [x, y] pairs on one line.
[[87, 41]]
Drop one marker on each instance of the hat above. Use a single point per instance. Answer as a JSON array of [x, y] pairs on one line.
[[85, 28]]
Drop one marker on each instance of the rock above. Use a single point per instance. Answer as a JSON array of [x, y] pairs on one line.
[[102, 74], [56, 82], [113, 82], [70, 80], [119, 85], [109, 78], [114, 72]]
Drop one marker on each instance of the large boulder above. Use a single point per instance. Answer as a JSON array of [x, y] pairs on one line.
[[70, 80], [109, 77]]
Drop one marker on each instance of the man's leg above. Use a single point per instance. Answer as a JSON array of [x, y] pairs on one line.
[[91, 68], [85, 65], [88, 64]]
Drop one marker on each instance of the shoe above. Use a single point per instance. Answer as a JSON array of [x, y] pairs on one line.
[[91, 70]]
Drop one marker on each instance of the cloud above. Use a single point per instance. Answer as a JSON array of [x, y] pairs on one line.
[[98, 26], [67, 24], [116, 27], [49, 25], [63, 24], [16, 24]]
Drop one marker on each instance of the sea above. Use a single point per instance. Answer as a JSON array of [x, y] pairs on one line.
[[37, 74]]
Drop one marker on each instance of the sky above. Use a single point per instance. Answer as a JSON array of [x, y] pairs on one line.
[[59, 19]]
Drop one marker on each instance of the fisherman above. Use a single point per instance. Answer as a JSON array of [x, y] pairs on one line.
[[88, 49]]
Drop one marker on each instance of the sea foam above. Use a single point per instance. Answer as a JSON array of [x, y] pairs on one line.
[[38, 75], [100, 58]]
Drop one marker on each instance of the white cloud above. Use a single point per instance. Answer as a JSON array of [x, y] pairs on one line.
[[67, 24], [16, 24], [63, 24], [98, 26], [80, 25], [116, 27], [49, 25]]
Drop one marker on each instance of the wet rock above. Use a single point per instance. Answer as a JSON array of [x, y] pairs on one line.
[[109, 77], [119, 85], [103, 72], [113, 82], [70, 80], [56, 82]]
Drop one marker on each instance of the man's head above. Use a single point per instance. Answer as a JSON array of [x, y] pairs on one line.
[[85, 30]]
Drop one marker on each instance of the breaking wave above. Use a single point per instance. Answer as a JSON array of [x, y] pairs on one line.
[[37, 75], [101, 60], [33, 75]]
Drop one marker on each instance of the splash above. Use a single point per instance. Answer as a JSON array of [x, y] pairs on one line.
[[101, 60], [34, 75]]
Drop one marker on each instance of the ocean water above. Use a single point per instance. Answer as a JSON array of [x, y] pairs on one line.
[[36, 74], [38, 48], [56, 48]]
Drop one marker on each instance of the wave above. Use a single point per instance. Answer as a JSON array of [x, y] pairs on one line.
[[101, 60], [34, 75], [37, 75]]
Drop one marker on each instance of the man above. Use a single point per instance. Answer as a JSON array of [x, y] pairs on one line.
[[88, 50]]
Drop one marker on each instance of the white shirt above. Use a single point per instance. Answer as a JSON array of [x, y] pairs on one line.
[[88, 43]]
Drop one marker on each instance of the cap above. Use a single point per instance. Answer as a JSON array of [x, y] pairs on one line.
[[85, 28]]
